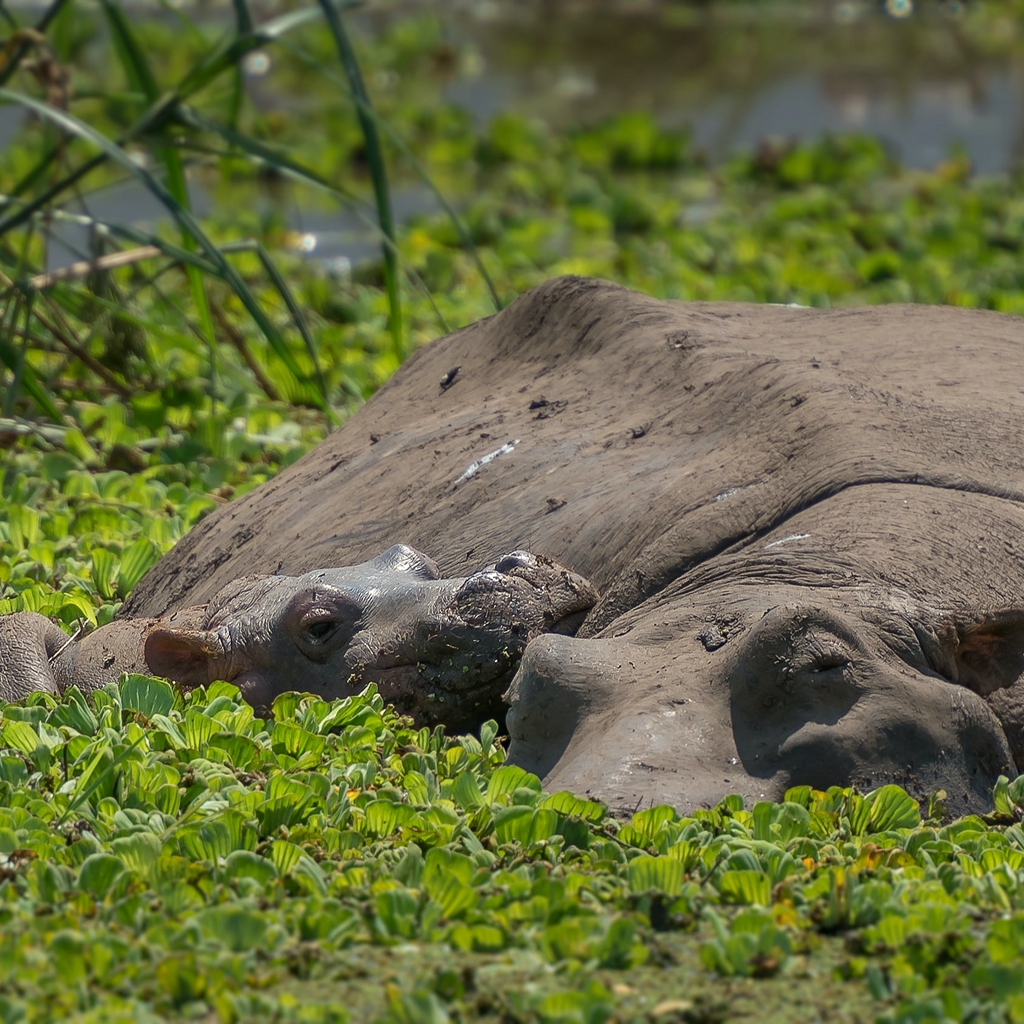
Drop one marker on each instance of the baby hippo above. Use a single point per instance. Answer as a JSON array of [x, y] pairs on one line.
[[441, 650]]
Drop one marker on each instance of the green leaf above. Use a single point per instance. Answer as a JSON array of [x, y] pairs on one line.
[[146, 696], [139, 852], [104, 572], [75, 713], [619, 949], [1005, 942], [409, 870], [568, 804], [1001, 802], [383, 817], [21, 736], [215, 839], [507, 779], [397, 913], [136, 560], [453, 895], [1016, 790], [98, 873], [235, 928], [892, 807], [746, 887], [441, 862], [524, 825], [198, 729], [284, 856], [467, 791], [649, 823], [241, 751], [170, 729], [289, 738], [660, 874], [246, 864]]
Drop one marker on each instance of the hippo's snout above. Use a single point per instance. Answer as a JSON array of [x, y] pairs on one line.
[[527, 594]]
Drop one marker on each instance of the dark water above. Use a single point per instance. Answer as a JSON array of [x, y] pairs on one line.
[[923, 84]]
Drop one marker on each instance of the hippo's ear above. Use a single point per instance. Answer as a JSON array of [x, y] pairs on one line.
[[183, 655], [402, 558], [987, 652]]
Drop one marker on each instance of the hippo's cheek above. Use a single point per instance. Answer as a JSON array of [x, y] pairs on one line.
[[922, 736]]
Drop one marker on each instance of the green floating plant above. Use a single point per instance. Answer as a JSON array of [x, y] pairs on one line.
[[164, 854]]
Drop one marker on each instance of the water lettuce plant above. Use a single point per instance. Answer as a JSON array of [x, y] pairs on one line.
[[170, 856]]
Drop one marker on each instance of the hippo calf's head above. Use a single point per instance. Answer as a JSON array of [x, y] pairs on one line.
[[442, 650]]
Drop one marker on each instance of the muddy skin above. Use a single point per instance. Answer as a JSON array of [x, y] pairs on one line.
[[807, 528], [443, 650]]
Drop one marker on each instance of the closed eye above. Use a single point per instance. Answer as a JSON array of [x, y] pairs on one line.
[[830, 662]]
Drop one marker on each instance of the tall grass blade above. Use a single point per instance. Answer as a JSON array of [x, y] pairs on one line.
[[22, 375], [414, 162], [243, 28], [140, 75], [375, 160], [296, 314], [304, 176], [230, 53], [182, 216], [219, 60], [25, 377]]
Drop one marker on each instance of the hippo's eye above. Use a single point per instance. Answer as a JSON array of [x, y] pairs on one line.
[[319, 630], [818, 655], [830, 661], [828, 656]]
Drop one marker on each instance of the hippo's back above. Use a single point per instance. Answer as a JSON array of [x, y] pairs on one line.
[[628, 438]]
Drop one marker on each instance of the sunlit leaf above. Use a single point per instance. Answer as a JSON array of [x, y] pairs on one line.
[[146, 696], [890, 808], [661, 874]]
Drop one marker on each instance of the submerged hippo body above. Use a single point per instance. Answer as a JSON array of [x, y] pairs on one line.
[[807, 527], [442, 650]]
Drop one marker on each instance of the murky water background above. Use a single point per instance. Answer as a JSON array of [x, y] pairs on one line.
[[919, 83]]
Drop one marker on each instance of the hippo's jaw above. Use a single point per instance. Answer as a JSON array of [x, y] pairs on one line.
[[775, 690]]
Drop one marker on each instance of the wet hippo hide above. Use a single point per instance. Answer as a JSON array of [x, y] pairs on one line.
[[805, 525]]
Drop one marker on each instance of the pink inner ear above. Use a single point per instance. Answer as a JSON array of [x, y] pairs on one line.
[[182, 655]]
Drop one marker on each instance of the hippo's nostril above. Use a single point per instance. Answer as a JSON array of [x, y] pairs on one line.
[[514, 560]]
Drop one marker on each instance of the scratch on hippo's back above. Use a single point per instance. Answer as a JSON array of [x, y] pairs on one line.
[[787, 540], [475, 467]]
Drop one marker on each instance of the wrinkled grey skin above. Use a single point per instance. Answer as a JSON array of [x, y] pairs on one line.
[[745, 682], [806, 525], [442, 650]]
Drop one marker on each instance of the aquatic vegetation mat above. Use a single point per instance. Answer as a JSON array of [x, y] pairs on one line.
[[175, 857]]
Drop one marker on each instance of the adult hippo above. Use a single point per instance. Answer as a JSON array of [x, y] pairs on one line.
[[805, 524], [442, 650]]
